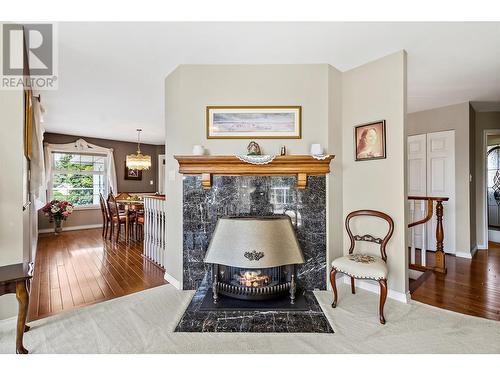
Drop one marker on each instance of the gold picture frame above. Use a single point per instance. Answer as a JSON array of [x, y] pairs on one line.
[[28, 124], [254, 122]]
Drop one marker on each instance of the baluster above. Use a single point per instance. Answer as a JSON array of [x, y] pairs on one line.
[[412, 215], [156, 230], [423, 248], [440, 256], [146, 231]]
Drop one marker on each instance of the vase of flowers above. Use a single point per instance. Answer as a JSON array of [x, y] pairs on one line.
[[57, 212]]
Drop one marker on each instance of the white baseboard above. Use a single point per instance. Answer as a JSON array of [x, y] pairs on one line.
[[172, 280], [76, 227], [375, 288], [463, 254], [494, 235]]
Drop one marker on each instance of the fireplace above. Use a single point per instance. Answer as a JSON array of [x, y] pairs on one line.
[[254, 258]]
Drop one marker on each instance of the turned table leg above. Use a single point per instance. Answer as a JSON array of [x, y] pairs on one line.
[[23, 300]]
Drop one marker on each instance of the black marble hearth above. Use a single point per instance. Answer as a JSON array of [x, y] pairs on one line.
[[225, 303], [260, 196], [309, 320]]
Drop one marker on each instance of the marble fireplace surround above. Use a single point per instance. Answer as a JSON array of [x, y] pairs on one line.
[[255, 195]]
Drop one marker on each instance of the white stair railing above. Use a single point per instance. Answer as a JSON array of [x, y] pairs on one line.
[[155, 239], [425, 208], [418, 212]]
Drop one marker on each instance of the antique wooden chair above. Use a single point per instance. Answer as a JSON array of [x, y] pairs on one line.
[[106, 217], [139, 228], [117, 217], [364, 266]]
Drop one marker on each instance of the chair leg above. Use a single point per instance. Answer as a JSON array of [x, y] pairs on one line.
[[383, 296], [334, 286], [118, 232], [111, 229], [353, 288]]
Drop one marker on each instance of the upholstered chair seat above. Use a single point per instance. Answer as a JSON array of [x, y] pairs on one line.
[[361, 266]]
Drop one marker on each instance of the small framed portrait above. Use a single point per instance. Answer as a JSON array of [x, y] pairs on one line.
[[369, 141], [133, 174]]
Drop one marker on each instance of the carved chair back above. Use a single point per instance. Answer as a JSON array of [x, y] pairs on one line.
[[368, 237], [104, 208], [112, 206]]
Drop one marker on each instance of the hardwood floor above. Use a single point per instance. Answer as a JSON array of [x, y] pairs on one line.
[[79, 268], [470, 286]]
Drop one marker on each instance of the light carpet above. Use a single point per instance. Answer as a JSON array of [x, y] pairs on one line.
[[144, 323]]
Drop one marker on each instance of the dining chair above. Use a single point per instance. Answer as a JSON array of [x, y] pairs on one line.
[[106, 218], [364, 266], [139, 226], [117, 217], [123, 196]]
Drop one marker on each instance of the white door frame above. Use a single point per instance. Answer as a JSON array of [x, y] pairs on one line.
[[484, 185], [161, 158]]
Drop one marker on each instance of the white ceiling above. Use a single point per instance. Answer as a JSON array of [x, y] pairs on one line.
[[111, 75]]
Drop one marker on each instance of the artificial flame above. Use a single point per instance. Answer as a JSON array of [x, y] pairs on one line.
[[252, 279]]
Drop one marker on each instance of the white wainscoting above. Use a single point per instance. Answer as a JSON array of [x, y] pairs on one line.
[[76, 227]]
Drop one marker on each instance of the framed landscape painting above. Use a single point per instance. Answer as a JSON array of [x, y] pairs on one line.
[[254, 122], [369, 141]]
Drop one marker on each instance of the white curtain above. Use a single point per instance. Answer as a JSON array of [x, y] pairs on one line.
[[82, 146], [38, 183]]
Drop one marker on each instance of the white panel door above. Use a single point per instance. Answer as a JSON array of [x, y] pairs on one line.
[[441, 183], [417, 182]]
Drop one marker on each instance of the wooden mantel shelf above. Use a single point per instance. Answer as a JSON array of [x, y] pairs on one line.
[[229, 165]]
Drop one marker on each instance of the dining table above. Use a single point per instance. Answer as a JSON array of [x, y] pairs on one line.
[[130, 205]]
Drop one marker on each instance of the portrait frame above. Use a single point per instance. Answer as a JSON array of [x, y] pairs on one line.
[[238, 126], [379, 150], [132, 174]]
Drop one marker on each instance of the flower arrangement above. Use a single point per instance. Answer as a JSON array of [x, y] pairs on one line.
[[57, 211]]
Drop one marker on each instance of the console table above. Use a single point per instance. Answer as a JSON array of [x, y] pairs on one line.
[[14, 279]]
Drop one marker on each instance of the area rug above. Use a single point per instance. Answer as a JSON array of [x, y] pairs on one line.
[[310, 319], [144, 322]]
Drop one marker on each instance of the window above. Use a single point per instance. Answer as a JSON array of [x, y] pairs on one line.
[[78, 178]]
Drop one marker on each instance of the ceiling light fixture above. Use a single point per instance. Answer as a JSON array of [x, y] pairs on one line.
[[138, 160]]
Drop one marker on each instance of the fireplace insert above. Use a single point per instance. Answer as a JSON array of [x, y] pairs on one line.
[[253, 284], [254, 258]]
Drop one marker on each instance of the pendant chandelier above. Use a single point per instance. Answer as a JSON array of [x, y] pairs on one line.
[[138, 160]]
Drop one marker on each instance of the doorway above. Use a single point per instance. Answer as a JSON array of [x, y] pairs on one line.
[[431, 172], [492, 185]]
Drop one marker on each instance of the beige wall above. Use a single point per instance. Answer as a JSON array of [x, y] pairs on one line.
[[335, 185], [484, 121], [190, 88], [121, 149], [453, 117], [333, 103], [12, 218], [377, 91]]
